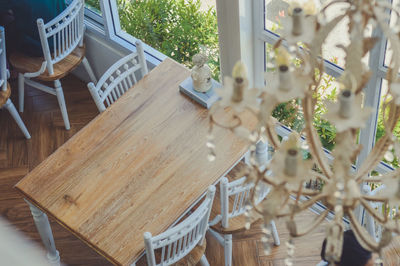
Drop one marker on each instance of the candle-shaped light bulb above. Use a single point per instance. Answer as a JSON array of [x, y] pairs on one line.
[[285, 78], [298, 17], [291, 162], [346, 101], [239, 74], [238, 90]]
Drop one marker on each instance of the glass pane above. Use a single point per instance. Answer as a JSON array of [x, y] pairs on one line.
[[393, 22], [290, 113], [276, 10], [178, 29], [380, 129], [93, 5]]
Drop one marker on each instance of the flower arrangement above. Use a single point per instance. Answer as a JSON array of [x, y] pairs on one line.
[[287, 172]]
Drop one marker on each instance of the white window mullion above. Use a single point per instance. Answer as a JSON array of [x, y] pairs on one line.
[[107, 13], [228, 34], [373, 95], [259, 44]]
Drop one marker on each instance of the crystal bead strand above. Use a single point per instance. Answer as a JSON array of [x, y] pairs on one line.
[[290, 252], [265, 239], [378, 261], [211, 148]]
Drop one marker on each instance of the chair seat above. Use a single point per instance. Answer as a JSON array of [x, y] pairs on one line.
[[5, 95], [194, 256], [26, 64], [236, 224]]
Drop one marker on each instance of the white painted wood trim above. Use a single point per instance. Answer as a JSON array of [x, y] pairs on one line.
[[229, 34]]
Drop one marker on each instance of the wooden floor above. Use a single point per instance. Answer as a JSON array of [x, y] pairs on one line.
[[43, 119]]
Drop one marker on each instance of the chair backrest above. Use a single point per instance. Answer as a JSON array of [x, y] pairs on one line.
[[241, 193], [119, 78], [178, 241], [3, 64], [64, 32]]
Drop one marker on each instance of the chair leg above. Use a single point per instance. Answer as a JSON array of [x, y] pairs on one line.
[[89, 70], [275, 234], [11, 108], [228, 250], [204, 261], [21, 90], [61, 103]]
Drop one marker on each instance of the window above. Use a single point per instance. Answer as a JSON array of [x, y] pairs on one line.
[[92, 11], [178, 29], [93, 5], [274, 12], [267, 26]]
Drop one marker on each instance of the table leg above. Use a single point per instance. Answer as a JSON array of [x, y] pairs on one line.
[[44, 229]]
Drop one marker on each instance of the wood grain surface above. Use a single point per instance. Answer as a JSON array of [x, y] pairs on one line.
[[26, 64], [136, 167], [18, 156], [5, 95]]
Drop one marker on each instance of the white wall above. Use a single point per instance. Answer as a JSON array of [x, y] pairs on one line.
[[101, 53]]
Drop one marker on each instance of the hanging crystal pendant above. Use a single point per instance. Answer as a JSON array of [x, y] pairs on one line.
[[290, 252]]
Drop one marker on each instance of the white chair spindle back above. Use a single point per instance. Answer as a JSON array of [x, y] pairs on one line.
[[3, 64], [177, 242], [241, 194], [119, 78], [65, 33]]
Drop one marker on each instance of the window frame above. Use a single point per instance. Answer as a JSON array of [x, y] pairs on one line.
[[113, 30], [109, 22], [372, 98]]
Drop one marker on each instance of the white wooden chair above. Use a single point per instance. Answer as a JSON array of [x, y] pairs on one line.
[[183, 244], [228, 212], [5, 90], [65, 32], [119, 78]]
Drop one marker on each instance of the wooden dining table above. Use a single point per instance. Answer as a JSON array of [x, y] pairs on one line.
[[136, 167]]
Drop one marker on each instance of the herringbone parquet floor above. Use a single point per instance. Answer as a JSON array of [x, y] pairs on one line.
[[43, 119]]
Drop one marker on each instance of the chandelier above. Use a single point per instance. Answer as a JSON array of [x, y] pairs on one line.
[[303, 33]]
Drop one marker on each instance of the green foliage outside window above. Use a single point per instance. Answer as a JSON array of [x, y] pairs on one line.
[[93, 4], [177, 28]]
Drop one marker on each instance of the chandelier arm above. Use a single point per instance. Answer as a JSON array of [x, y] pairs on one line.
[[374, 157], [306, 192], [373, 198], [235, 117], [296, 204], [318, 175], [252, 193], [320, 218], [332, 3], [362, 235], [269, 182], [272, 135], [370, 179], [381, 146], [313, 140], [306, 204], [380, 179], [299, 192], [372, 211], [284, 214]]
